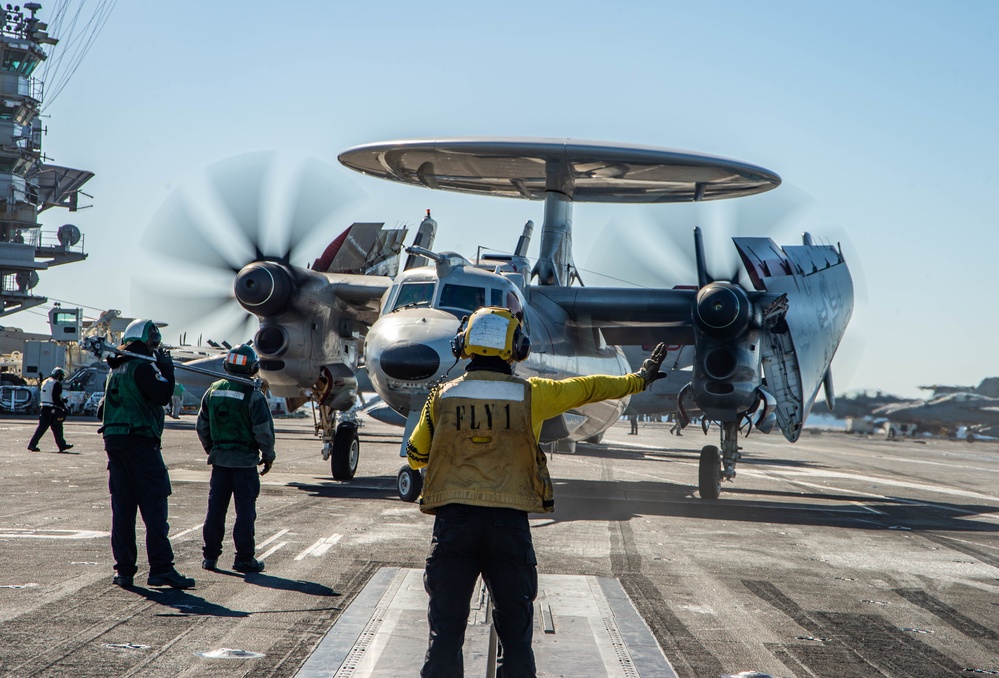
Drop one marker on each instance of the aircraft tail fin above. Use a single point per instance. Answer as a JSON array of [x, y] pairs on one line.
[[364, 248], [425, 235], [525, 239]]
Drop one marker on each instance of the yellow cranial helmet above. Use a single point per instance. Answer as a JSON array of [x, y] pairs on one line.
[[491, 331]]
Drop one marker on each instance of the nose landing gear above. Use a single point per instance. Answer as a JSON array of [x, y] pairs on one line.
[[409, 483]]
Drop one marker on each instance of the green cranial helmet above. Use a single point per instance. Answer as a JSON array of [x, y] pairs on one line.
[[144, 331], [58, 373], [241, 359]]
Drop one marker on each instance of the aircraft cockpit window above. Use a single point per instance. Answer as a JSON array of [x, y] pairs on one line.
[[415, 294], [463, 298], [496, 297]]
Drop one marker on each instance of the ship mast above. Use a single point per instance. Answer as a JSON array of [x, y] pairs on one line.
[[28, 184]]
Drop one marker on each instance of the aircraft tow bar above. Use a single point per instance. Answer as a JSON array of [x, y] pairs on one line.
[[99, 347]]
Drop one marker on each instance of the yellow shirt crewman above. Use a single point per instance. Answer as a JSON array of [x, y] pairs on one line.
[[478, 439]]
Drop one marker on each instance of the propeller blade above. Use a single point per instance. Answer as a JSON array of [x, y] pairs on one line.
[[239, 331], [175, 232], [319, 195], [641, 254], [183, 309], [703, 277], [239, 183], [225, 225]]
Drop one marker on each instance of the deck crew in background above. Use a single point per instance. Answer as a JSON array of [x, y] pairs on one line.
[[177, 400], [478, 439], [236, 429], [135, 394], [52, 412]]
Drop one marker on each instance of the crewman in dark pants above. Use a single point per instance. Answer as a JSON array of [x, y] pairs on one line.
[[134, 397], [478, 439], [236, 429], [52, 412]]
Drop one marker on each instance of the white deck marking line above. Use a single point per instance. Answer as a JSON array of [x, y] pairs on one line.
[[271, 550], [326, 545], [269, 540], [868, 508], [789, 474], [18, 533], [320, 547], [901, 500], [307, 551], [181, 534]]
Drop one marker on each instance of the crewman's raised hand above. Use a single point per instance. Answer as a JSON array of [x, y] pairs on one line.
[[650, 368]]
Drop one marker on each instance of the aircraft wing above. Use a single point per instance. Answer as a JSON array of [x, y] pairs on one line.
[[624, 316], [811, 284], [798, 349], [359, 295]]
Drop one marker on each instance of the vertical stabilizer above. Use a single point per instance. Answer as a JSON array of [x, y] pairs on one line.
[[425, 235]]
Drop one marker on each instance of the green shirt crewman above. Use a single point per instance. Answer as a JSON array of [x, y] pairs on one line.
[[134, 396], [236, 429]]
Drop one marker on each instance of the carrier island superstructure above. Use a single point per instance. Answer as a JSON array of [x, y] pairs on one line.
[[28, 184]]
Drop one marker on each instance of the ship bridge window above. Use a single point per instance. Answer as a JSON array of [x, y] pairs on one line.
[[462, 299], [11, 61], [415, 294]]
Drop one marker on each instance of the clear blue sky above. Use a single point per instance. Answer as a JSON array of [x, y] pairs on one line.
[[883, 114]]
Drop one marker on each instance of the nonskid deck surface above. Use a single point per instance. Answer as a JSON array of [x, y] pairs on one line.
[[583, 626]]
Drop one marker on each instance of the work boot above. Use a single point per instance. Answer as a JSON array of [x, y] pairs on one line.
[[251, 565], [208, 564], [122, 581], [171, 578], [66, 449], [33, 448]]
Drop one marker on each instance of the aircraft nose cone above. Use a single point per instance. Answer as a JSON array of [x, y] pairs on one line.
[[410, 361]]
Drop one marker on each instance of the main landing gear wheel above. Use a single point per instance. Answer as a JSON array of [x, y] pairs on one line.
[[409, 483], [709, 473], [346, 451]]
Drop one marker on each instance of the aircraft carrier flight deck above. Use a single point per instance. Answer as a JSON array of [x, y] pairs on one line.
[[841, 555]]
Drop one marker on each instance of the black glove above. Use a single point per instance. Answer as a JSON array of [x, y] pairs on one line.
[[266, 466], [163, 361], [650, 368]]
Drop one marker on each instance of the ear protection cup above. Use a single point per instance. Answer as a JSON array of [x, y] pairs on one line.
[[458, 341], [521, 344]]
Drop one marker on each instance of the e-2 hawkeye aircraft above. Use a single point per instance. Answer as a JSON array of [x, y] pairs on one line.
[[763, 351]]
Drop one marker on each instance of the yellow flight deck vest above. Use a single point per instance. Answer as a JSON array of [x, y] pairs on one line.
[[483, 449]]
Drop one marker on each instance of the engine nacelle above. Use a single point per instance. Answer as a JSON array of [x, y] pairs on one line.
[[264, 288], [726, 372], [722, 310], [300, 332]]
